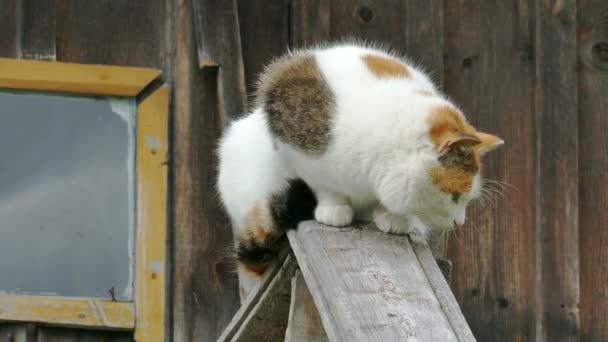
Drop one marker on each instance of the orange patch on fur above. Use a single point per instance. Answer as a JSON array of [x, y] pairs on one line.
[[385, 67], [452, 179], [445, 120], [256, 270], [257, 225]]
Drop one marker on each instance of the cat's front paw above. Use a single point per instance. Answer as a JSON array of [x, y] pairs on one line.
[[392, 224], [337, 215]]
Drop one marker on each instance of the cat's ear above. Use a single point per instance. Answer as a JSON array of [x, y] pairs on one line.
[[488, 143], [458, 139]]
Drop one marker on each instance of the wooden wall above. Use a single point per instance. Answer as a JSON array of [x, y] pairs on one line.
[[531, 265]]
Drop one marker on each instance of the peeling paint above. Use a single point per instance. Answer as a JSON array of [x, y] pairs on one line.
[[153, 142]]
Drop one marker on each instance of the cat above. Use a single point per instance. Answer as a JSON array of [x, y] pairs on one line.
[[344, 132]]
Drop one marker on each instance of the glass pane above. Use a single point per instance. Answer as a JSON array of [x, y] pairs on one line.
[[66, 195]]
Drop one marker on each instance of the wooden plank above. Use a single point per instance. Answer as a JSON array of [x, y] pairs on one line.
[[249, 303], [494, 255], [593, 168], [408, 26], [10, 16], [264, 28], [371, 280], [54, 334], [18, 332], [442, 290], [38, 32], [219, 45], [304, 324], [151, 258], [557, 174], [204, 284], [267, 320], [74, 78], [309, 23], [118, 32], [79, 312]]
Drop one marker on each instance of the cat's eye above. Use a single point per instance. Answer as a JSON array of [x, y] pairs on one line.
[[82, 195], [455, 197]]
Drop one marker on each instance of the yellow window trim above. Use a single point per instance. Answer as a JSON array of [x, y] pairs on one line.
[[146, 315], [74, 78], [66, 311]]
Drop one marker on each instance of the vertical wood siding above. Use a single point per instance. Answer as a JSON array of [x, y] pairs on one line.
[[531, 264]]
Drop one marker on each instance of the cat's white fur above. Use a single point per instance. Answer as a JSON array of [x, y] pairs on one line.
[[376, 166]]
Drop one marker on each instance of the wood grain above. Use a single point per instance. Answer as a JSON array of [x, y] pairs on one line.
[[593, 168], [218, 42], [10, 26], [89, 313], [38, 31], [267, 320], [304, 324], [204, 284], [437, 280], [74, 78], [557, 168], [119, 32], [494, 256], [264, 28], [256, 293], [309, 23], [151, 249], [371, 280]]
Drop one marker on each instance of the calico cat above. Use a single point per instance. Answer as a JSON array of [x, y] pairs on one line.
[[340, 133]]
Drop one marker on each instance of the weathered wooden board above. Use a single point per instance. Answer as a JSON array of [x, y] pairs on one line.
[[370, 286], [38, 31], [304, 324], [489, 71], [264, 28], [10, 14], [309, 23], [267, 320], [252, 299], [437, 279], [89, 313], [557, 174], [204, 284], [593, 166], [218, 42], [120, 32]]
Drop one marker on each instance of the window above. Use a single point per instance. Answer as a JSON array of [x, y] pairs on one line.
[[83, 191]]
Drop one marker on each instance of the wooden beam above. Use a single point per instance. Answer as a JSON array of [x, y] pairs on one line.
[[71, 312], [74, 78], [263, 316], [372, 286], [304, 323], [218, 41], [151, 260]]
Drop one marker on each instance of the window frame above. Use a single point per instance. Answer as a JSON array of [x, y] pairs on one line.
[[145, 315]]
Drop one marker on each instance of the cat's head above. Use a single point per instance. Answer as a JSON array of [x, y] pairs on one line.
[[444, 174]]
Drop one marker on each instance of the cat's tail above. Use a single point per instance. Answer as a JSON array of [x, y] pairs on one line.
[[262, 232]]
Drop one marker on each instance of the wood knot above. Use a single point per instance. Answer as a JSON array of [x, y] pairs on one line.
[[365, 13], [599, 51]]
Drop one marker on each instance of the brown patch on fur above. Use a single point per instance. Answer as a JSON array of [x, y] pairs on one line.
[[452, 179], [299, 103], [386, 67]]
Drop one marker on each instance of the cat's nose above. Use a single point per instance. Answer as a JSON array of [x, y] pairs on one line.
[[460, 218]]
